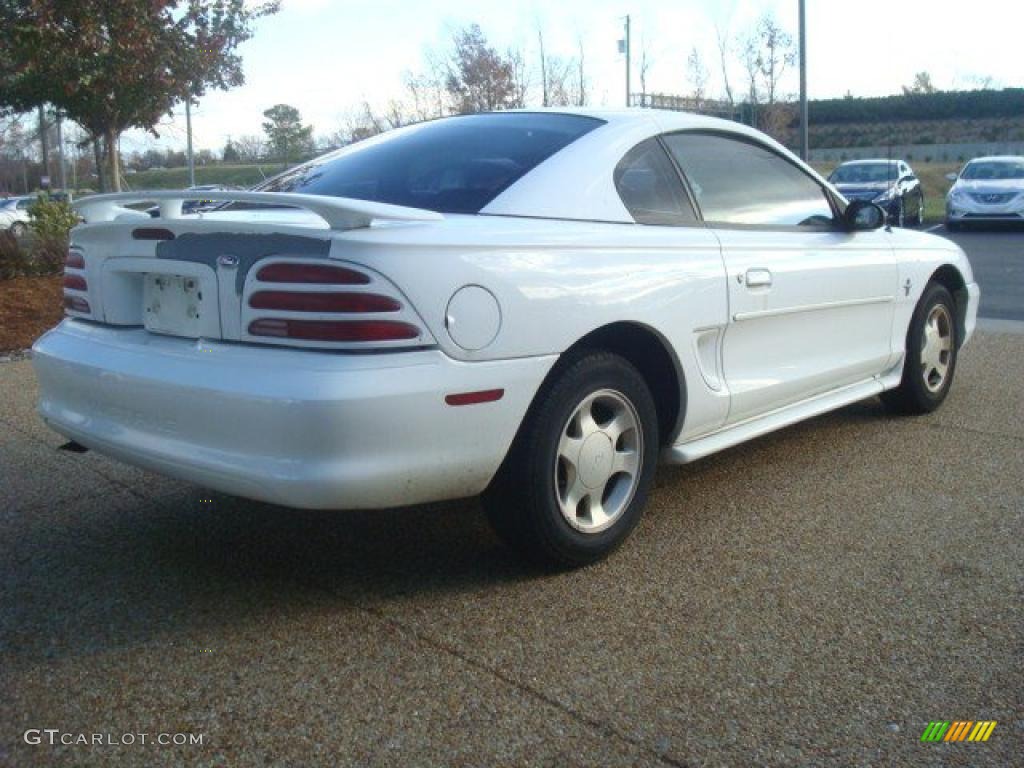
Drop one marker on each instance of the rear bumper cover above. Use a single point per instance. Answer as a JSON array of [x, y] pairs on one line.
[[292, 427]]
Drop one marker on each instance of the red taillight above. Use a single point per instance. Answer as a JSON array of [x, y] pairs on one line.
[[74, 260], [75, 282], [76, 304], [295, 301], [310, 273], [334, 330]]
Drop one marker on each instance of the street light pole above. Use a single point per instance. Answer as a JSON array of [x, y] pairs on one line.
[[627, 61], [804, 145], [188, 131]]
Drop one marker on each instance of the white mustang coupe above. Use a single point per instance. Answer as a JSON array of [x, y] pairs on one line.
[[532, 305]]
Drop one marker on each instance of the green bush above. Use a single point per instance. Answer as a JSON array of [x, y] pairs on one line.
[[52, 220]]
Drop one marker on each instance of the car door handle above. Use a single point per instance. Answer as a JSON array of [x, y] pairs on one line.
[[758, 278]]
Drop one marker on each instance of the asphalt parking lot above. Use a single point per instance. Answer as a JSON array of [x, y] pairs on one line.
[[997, 257], [815, 597]]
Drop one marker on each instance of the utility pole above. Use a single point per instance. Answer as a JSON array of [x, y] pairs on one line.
[[627, 60], [62, 176], [804, 145], [188, 131]]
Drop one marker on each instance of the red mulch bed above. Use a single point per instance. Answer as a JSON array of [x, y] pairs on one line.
[[29, 306]]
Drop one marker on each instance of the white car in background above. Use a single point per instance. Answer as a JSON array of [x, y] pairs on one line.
[[987, 190], [533, 305], [14, 215]]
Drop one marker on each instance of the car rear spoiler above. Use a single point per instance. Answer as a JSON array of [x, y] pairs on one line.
[[340, 213]]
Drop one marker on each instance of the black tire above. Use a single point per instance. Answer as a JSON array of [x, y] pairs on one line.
[[18, 229], [522, 503], [921, 390], [919, 220], [952, 226]]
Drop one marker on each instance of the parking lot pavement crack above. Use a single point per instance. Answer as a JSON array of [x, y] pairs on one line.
[[528, 690]]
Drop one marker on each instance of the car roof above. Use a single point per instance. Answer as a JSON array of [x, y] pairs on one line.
[[586, 166], [670, 120], [865, 162]]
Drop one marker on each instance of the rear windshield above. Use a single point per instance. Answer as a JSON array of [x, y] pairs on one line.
[[454, 165]]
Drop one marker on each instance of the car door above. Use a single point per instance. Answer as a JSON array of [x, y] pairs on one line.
[[810, 305]]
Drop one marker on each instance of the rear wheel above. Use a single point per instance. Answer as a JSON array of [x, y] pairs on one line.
[[930, 354], [919, 221], [18, 229], [575, 482]]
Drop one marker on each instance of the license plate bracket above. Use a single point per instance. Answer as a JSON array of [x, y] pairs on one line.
[[172, 304]]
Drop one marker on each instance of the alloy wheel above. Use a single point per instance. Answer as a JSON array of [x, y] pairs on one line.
[[936, 347], [599, 460]]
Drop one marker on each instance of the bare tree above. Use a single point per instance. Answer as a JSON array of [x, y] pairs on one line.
[[775, 51], [251, 149], [561, 81], [698, 76], [544, 101], [427, 89], [723, 50], [751, 67], [645, 67], [581, 95], [520, 77]]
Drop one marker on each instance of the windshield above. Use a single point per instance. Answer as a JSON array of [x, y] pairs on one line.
[[8, 203], [994, 169], [865, 173], [454, 165]]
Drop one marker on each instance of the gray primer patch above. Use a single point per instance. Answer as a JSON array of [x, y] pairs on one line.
[[249, 248]]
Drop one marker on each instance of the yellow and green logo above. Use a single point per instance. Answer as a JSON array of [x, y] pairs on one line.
[[958, 730]]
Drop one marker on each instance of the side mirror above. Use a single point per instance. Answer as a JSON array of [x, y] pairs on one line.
[[862, 216], [951, 177]]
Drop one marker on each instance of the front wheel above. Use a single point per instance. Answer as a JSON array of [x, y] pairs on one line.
[[575, 482], [18, 229], [930, 354]]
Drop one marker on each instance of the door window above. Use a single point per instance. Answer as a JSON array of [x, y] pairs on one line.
[[738, 181]]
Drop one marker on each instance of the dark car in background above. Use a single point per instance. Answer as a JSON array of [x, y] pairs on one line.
[[890, 184]]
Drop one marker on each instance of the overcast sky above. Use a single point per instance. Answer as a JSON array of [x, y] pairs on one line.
[[326, 56]]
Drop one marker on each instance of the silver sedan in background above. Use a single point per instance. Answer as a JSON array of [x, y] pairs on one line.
[[988, 189]]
